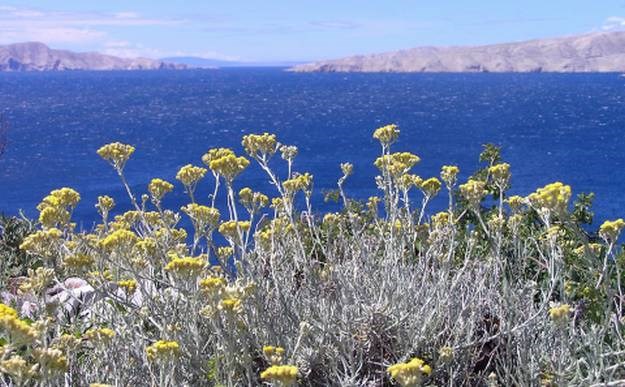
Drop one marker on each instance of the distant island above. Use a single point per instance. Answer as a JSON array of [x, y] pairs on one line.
[[34, 56], [595, 52]]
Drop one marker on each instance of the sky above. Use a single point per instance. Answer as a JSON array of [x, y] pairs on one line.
[[294, 30]]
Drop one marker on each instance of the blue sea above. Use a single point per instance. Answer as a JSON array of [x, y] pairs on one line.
[[551, 127]]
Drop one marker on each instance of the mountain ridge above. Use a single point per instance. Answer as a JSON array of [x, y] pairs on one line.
[[36, 56], [594, 52]]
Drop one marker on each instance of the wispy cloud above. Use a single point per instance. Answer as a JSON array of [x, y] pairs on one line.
[[613, 23], [53, 27]]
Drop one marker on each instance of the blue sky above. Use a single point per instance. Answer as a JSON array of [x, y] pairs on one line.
[[297, 30]]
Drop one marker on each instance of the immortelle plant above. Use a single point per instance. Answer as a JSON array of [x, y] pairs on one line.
[[495, 290]]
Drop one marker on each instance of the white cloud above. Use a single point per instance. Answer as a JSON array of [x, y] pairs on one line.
[[53, 27], [613, 22]]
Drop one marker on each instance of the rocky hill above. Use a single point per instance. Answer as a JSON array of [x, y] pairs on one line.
[[35, 56], [596, 52]]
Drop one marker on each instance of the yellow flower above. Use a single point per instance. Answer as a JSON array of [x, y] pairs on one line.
[[231, 305], [592, 248], [51, 359], [397, 164], [78, 261], [410, 373], [515, 202], [284, 374], [449, 174], [288, 152], [129, 285], [408, 181], [117, 154], [610, 230], [387, 134], [260, 145], [347, 169], [158, 188], [274, 355], [500, 173], [186, 266], [473, 191], [163, 350], [224, 252], [553, 197], [202, 216], [560, 312], [189, 175], [228, 166], [232, 229], [105, 204], [440, 220], [253, 201], [17, 367], [19, 331], [212, 285], [298, 183], [431, 186], [100, 335], [42, 242], [7, 311], [119, 240]]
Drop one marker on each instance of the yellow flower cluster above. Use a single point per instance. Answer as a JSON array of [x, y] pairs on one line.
[[232, 230], [440, 220], [42, 242], [78, 261], [286, 375], [117, 154], [55, 208], [159, 188], [202, 216], [298, 183], [99, 335], [397, 164], [592, 248], [411, 373], [387, 134], [51, 359], [19, 368], [224, 252], [553, 197], [189, 175], [213, 285], [449, 174], [610, 230], [253, 201], [408, 181], [122, 240], [105, 204], [288, 152], [500, 173], [129, 285], [347, 169], [274, 355], [515, 202], [560, 312], [473, 191], [186, 266], [163, 350], [260, 145], [223, 161], [17, 330], [431, 186]]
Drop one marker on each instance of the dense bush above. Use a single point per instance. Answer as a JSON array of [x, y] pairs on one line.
[[496, 290]]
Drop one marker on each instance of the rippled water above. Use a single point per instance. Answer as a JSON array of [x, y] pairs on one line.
[[568, 127]]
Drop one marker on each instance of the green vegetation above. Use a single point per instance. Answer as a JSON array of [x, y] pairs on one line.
[[496, 290]]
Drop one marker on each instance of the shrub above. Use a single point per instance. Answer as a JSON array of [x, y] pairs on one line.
[[496, 290]]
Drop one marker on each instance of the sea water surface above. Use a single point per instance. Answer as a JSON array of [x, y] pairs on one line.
[[551, 127]]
